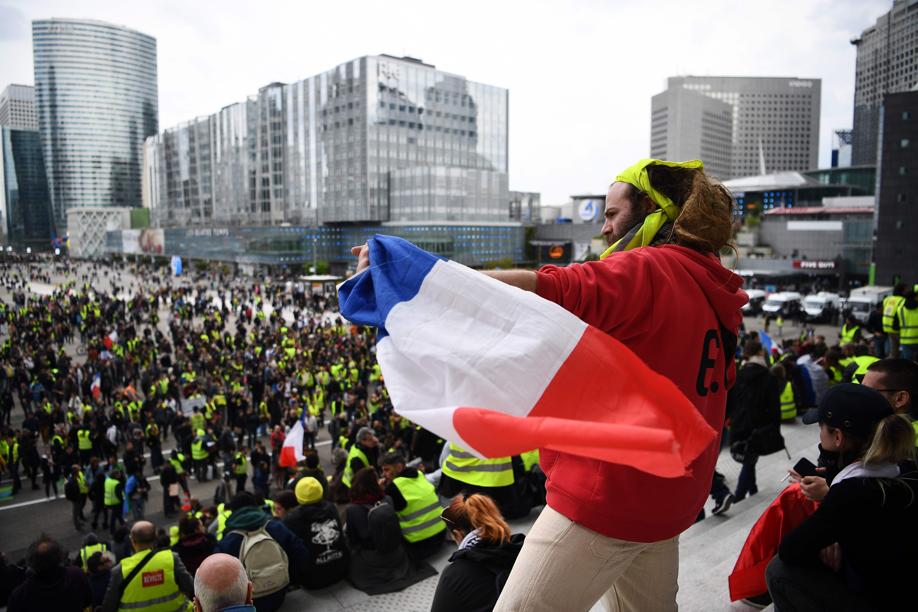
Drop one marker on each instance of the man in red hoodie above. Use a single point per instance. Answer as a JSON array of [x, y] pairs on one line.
[[610, 531]]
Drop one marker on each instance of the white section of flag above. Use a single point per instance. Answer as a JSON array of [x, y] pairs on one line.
[[466, 339]]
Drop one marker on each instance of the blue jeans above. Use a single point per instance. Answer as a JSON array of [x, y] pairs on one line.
[[908, 351]]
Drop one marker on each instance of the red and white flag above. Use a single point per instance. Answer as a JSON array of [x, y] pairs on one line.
[[292, 451]]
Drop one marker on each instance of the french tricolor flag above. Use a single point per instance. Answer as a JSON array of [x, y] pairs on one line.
[[499, 371], [95, 388], [292, 450]]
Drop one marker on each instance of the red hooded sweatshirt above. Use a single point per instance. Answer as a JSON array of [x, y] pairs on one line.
[[679, 311]]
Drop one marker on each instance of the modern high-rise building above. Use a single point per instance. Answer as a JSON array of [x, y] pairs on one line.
[[686, 125], [377, 139], [775, 122], [895, 249], [887, 62], [25, 207], [96, 98], [17, 107]]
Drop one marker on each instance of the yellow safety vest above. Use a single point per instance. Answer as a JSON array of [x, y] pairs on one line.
[[177, 464], [465, 467], [530, 459], [241, 469], [847, 334], [84, 439], [891, 304], [908, 325], [420, 518], [81, 483], [863, 362], [111, 496], [198, 453], [222, 515], [348, 474], [153, 589], [788, 405], [87, 551]]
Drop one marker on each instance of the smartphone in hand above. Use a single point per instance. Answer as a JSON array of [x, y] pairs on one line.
[[805, 468]]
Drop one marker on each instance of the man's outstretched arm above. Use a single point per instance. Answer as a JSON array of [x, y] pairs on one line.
[[522, 279]]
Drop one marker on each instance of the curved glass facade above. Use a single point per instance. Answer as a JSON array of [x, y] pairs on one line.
[[96, 100]]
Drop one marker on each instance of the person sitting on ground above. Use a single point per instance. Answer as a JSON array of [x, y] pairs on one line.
[[194, 543], [317, 523], [50, 585], [284, 502], [477, 571], [312, 468], [244, 538], [416, 504], [91, 544], [856, 551], [164, 579], [379, 563], [222, 585], [363, 453], [99, 571]]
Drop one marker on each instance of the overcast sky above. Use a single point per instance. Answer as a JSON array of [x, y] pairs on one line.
[[580, 73]]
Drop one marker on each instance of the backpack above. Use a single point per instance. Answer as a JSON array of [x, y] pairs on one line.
[[264, 561]]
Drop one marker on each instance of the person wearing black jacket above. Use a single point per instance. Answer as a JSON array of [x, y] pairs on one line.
[[478, 570], [317, 523], [856, 552], [754, 408]]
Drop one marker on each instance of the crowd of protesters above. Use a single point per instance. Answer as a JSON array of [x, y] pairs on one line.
[[145, 377]]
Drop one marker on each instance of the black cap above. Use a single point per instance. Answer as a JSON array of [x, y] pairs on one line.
[[850, 407]]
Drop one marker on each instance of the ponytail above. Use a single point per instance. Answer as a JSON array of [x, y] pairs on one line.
[[478, 512], [705, 221], [487, 519], [893, 441]]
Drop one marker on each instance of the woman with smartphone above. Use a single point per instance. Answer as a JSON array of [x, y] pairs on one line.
[[856, 551]]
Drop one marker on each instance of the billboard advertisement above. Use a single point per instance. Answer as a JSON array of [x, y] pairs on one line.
[[142, 242]]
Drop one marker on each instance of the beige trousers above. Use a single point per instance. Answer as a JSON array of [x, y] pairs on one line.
[[566, 567]]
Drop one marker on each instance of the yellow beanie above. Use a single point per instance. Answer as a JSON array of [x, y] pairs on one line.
[[308, 490]]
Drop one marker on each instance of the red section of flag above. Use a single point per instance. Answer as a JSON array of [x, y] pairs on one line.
[[292, 451], [603, 403]]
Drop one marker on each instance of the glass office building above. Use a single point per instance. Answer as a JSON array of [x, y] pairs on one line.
[[96, 100], [374, 140], [24, 203]]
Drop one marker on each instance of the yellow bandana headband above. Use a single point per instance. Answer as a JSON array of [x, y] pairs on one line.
[[637, 176]]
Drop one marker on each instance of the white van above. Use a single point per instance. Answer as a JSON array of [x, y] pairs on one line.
[[863, 299], [822, 306], [784, 303], [754, 305]]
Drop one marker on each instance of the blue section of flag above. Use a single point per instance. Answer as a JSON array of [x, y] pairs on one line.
[[767, 342], [397, 269]]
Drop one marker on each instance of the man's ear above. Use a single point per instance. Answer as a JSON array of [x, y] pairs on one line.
[[647, 205], [248, 597], [197, 604]]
